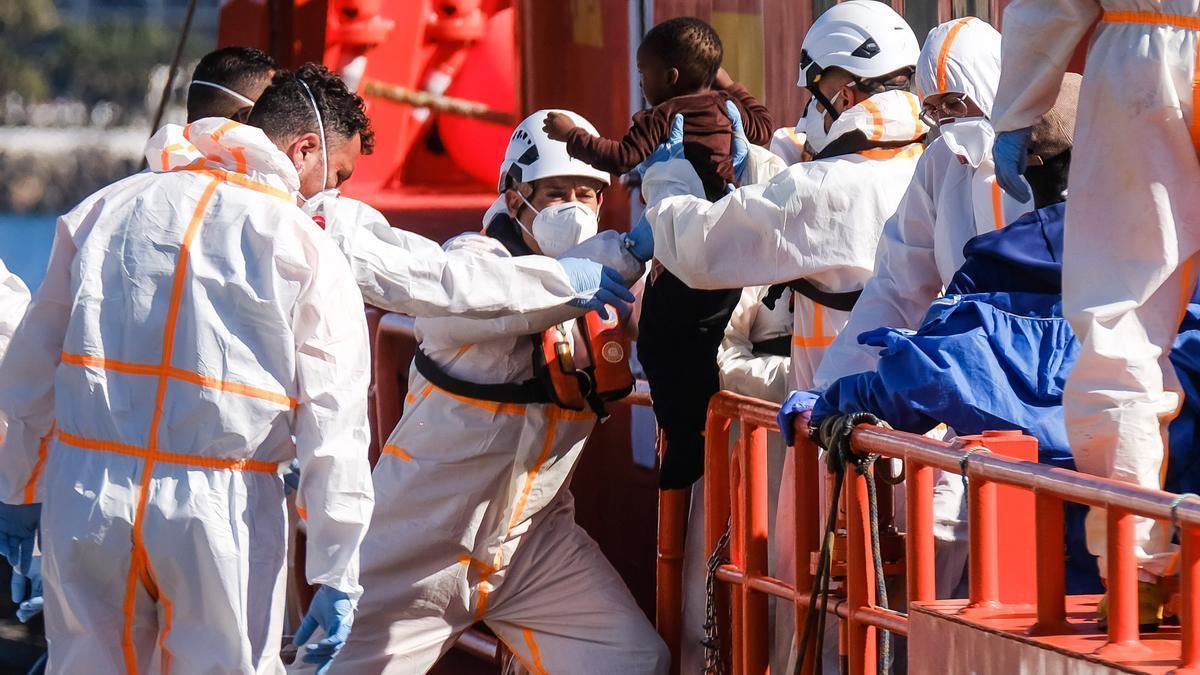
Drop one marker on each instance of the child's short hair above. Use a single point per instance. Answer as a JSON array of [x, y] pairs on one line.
[[689, 45]]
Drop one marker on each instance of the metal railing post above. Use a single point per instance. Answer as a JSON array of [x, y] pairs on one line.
[[755, 608], [919, 538], [1123, 635], [1189, 625], [860, 575], [985, 546], [806, 496], [1051, 565]]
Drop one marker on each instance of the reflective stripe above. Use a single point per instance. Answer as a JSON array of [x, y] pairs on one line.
[[531, 476], [876, 120], [910, 150], [165, 457], [239, 179], [398, 451], [1175, 21], [224, 129], [30, 496], [101, 363], [139, 562], [535, 654], [818, 338], [997, 206], [945, 52], [166, 153], [915, 107]]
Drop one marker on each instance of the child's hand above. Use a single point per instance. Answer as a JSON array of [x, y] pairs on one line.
[[723, 80], [558, 126]]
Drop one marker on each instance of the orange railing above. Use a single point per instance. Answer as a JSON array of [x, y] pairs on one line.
[[999, 471]]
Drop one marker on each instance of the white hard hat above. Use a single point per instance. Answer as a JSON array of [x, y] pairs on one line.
[[532, 155], [865, 37]]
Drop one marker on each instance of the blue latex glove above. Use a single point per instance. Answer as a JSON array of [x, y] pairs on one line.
[[640, 240], [672, 149], [332, 611], [597, 286], [18, 528], [27, 591], [741, 144], [1010, 152], [797, 403], [291, 477]]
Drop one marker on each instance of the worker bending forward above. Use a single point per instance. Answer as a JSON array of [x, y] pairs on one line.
[[194, 331], [475, 522]]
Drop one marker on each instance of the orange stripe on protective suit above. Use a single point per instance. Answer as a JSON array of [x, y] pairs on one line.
[[818, 337], [535, 654], [139, 564], [101, 363], [397, 451], [30, 495], [910, 150], [165, 457], [945, 52], [876, 120], [1176, 21], [997, 206]]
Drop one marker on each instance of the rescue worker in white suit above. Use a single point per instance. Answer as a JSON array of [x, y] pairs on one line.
[[475, 521], [953, 196], [397, 270], [195, 330], [1130, 238], [14, 544], [817, 221]]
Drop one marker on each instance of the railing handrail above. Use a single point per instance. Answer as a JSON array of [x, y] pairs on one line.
[[1041, 479]]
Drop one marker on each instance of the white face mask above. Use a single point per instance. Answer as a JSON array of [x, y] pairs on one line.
[[558, 228], [321, 205], [969, 138], [324, 152], [812, 125]]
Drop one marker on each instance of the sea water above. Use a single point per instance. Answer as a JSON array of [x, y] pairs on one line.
[[25, 245]]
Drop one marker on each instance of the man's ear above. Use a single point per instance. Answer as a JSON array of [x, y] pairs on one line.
[[301, 146], [672, 76], [513, 201]]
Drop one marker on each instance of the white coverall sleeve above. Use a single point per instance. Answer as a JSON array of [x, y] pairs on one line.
[[404, 272], [756, 235], [906, 280], [27, 370], [1040, 37], [14, 299], [333, 360], [743, 371]]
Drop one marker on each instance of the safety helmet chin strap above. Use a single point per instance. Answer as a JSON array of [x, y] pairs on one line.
[[868, 87]]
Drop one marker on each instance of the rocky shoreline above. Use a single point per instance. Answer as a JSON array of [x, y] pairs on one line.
[[52, 170]]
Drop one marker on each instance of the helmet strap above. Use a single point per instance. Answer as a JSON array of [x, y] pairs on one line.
[[824, 101]]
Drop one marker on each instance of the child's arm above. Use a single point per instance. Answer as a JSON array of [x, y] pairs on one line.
[[755, 117], [649, 128]]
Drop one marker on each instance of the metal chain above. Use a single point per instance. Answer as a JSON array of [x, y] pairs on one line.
[[712, 639]]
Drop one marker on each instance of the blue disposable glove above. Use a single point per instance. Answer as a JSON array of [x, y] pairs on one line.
[[797, 403], [27, 591], [741, 144], [1010, 152], [597, 286], [640, 240], [18, 529], [291, 477], [333, 612], [672, 149]]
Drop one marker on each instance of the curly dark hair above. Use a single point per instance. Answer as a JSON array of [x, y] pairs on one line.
[[689, 45], [284, 110]]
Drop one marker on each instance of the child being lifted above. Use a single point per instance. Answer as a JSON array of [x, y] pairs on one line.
[[680, 328]]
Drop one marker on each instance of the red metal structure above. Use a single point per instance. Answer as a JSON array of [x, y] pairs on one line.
[[1018, 617]]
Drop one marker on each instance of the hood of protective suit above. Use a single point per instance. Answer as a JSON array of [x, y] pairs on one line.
[[963, 56], [218, 143], [890, 118]]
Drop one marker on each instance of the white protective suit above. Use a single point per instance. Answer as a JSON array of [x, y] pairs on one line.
[[475, 521], [14, 298], [947, 203], [817, 220], [1132, 225], [404, 272], [194, 331]]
